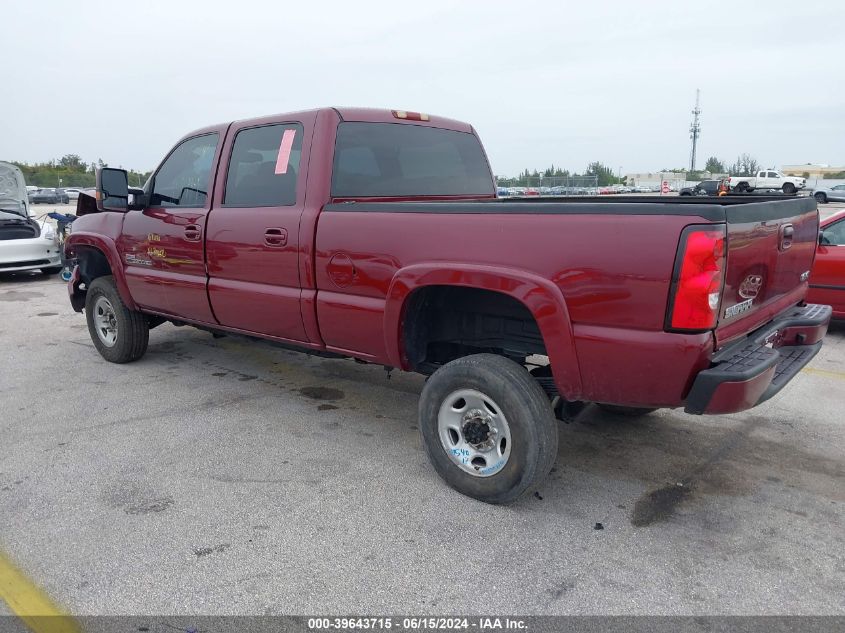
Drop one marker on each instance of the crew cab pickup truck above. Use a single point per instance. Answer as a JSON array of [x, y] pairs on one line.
[[377, 235], [767, 180]]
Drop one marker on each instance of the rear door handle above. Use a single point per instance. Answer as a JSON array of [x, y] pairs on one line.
[[193, 232], [275, 237]]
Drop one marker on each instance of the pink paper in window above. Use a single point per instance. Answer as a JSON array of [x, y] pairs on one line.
[[284, 151]]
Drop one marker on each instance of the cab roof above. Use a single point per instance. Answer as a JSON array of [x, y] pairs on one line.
[[369, 115]]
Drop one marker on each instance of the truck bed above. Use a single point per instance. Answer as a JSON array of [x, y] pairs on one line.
[[713, 208], [612, 260]]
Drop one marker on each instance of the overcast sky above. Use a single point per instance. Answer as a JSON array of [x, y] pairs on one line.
[[542, 82]]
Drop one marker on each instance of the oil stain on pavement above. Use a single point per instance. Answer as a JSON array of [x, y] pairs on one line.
[[322, 393], [19, 295]]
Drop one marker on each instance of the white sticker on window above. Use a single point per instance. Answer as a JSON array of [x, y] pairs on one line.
[[284, 151]]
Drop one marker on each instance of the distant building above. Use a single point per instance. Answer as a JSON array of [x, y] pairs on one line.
[[811, 171]]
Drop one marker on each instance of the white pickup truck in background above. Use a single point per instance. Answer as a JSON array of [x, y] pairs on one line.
[[768, 179]]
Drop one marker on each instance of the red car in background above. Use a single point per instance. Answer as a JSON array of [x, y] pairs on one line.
[[827, 282]]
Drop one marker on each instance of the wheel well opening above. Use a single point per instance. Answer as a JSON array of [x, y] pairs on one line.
[[442, 323], [92, 264]]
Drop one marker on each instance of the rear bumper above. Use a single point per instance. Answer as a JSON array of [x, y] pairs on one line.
[[751, 371]]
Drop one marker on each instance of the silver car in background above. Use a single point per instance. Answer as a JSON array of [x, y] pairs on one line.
[[25, 244], [836, 193]]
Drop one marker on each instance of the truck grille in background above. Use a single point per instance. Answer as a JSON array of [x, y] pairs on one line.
[[32, 262]]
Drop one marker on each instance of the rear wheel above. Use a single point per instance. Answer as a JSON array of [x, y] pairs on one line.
[[120, 335], [788, 187], [820, 197], [631, 412], [488, 427]]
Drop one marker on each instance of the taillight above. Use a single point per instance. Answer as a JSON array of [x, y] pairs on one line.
[[697, 279]]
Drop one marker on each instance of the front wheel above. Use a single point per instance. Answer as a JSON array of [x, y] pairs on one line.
[[119, 334], [788, 187], [488, 428]]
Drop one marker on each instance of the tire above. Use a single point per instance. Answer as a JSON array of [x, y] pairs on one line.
[[52, 270], [820, 197], [522, 447], [788, 188], [631, 412], [128, 335]]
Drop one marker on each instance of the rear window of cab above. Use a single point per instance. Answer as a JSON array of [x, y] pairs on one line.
[[398, 159]]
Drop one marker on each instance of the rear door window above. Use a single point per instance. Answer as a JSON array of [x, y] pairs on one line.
[[395, 160], [264, 166]]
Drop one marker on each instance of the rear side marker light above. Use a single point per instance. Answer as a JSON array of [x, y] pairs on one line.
[[697, 280]]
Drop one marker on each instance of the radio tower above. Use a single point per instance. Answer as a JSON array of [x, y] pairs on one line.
[[695, 129]]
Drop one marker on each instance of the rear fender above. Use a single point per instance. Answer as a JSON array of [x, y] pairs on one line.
[[542, 298], [76, 245]]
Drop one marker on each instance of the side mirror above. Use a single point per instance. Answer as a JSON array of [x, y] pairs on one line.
[[112, 190]]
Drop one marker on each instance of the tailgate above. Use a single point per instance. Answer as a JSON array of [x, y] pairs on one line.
[[771, 246]]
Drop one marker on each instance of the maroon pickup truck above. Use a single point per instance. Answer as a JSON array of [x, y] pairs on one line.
[[377, 235]]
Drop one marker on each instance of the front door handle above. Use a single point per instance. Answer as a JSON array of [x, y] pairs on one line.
[[787, 233], [193, 232], [275, 237]]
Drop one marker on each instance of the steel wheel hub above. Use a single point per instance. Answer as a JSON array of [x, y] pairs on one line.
[[478, 430], [105, 322], [474, 432]]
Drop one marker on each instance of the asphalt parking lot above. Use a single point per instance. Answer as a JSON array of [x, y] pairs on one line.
[[217, 476]]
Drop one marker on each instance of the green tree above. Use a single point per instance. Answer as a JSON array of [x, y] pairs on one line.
[[72, 162], [745, 165], [714, 166], [603, 173], [69, 171]]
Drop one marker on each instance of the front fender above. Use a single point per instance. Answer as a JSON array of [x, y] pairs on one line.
[[542, 298], [108, 248]]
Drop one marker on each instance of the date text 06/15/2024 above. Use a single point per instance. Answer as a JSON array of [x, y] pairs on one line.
[[417, 624]]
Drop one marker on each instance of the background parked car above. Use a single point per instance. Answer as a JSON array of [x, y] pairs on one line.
[[704, 188], [827, 281], [50, 196], [830, 194], [72, 192]]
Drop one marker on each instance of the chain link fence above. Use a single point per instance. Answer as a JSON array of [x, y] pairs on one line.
[[550, 186]]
